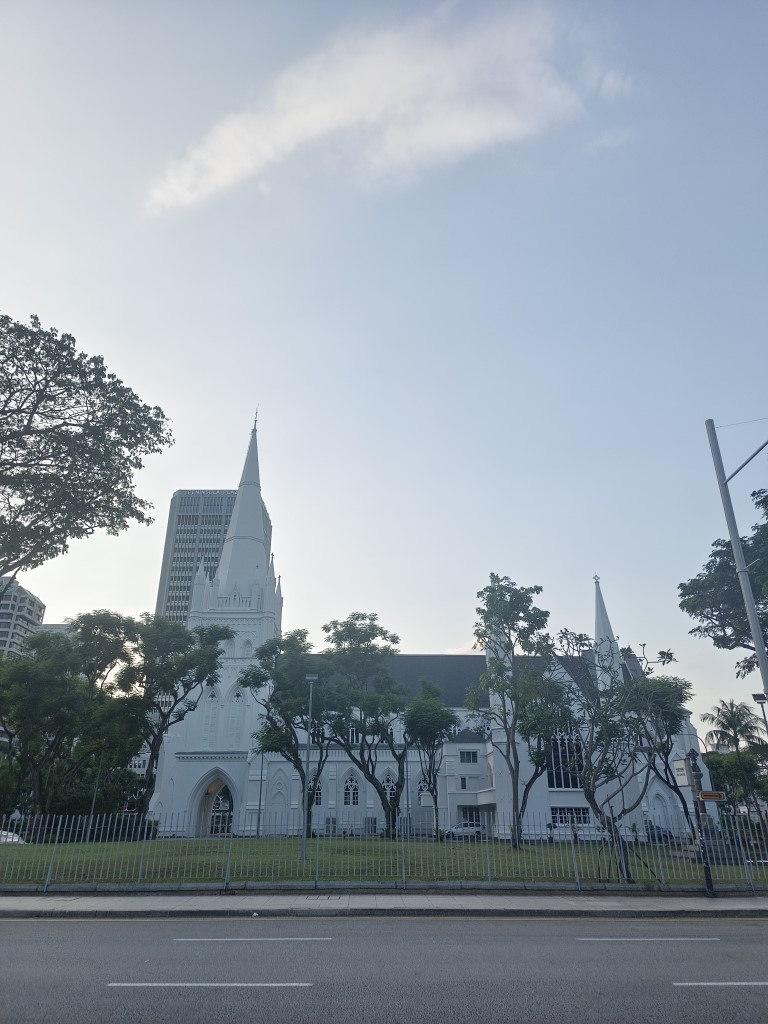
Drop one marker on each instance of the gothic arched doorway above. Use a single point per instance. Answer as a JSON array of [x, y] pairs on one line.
[[216, 810]]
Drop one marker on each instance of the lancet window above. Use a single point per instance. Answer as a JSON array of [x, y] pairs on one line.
[[351, 792], [566, 762]]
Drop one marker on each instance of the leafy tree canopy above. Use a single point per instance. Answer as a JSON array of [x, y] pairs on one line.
[[72, 436], [713, 598], [733, 725], [60, 728]]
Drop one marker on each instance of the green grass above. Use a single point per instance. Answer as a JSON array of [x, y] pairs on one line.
[[279, 860]]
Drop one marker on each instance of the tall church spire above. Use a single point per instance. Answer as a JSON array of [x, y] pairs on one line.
[[607, 653], [245, 555]]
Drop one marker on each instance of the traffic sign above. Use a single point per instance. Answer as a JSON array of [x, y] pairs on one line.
[[711, 794]]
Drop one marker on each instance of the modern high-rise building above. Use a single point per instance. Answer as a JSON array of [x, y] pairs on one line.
[[21, 613], [197, 527]]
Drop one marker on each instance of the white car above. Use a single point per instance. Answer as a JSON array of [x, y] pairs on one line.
[[465, 831], [10, 837]]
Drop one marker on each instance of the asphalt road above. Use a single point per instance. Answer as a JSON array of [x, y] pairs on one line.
[[393, 970]]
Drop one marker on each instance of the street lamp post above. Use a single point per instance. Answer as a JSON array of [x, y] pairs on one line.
[[761, 699], [698, 808], [311, 679], [742, 569]]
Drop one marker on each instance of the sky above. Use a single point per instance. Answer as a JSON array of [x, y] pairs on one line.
[[484, 268]]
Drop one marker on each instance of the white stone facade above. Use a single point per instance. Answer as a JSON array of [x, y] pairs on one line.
[[207, 769]]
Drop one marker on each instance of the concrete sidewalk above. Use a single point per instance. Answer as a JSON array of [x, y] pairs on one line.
[[354, 904]]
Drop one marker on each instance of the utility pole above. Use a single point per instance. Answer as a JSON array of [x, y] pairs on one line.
[[742, 569], [311, 679], [699, 808]]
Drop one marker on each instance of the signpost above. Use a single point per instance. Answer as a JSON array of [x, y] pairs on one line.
[[712, 794]]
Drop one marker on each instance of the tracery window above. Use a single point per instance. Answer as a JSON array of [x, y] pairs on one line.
[[390, 786], [351, 792], [422, 789], [566, 762], [316, 785], [210, 717]]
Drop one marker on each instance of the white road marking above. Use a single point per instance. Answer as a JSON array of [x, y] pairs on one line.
[[662, 938], [324, 938], [716, 984], [210, 984]]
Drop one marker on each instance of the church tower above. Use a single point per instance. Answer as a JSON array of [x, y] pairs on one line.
[[204, 763], [243, 593]]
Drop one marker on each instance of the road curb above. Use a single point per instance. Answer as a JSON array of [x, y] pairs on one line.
[[296, 912]]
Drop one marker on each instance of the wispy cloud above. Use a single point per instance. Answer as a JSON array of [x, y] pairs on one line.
[[396, 102]]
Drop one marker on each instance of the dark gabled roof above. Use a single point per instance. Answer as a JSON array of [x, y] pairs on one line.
[[453, 673], [581, 672], [468, 736]]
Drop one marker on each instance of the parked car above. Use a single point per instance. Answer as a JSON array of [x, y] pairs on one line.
[[466, 831], [657, 834], [10, 837]]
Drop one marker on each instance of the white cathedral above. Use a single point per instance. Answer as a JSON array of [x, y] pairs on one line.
[[209, 772]]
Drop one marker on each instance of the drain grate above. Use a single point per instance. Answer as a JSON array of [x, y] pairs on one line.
[[323, 897]]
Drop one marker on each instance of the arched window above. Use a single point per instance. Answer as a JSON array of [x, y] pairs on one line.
[[235, 719], [389, 784], [351, 792], [316, 785], [210, 717], [423, 791]]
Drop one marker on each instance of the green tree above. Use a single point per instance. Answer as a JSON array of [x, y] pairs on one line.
[[609, 715], [664, 699], [72, 436], [368, 704], [713, 598], [518, 699], [279, 685], [739, 775], [429, 724], [59, 728], [168, 669], [733, 725]]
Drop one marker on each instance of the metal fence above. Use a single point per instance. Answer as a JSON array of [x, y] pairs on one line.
[[127, 851]]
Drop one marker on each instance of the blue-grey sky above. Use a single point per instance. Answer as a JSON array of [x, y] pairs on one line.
[[484, 267]]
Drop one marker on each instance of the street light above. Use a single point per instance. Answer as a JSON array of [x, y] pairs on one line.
[[761, 699], [311, 679], [742, 570], [698, 808]]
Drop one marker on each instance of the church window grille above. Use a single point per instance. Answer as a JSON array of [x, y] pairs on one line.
[[316, 785], [570, 816], [351, 792], [566, 762], [422, 789], [210, 716], [390, 786]]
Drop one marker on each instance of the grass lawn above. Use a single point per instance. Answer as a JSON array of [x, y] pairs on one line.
[[279, 859]]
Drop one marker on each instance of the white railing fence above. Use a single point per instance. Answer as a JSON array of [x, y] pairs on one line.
[[255, 849]]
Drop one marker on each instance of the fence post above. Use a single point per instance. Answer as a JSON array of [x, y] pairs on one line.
[[575, 862], [744, 859], [227, 869], [402, 840], [49, 876], [487, 826], [143, 847], [661, 868], [317, 856]]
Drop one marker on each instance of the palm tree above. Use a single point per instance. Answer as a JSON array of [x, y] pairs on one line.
[[734, 724]]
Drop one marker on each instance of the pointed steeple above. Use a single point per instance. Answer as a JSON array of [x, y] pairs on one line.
[[244, 557], [607, 653]]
